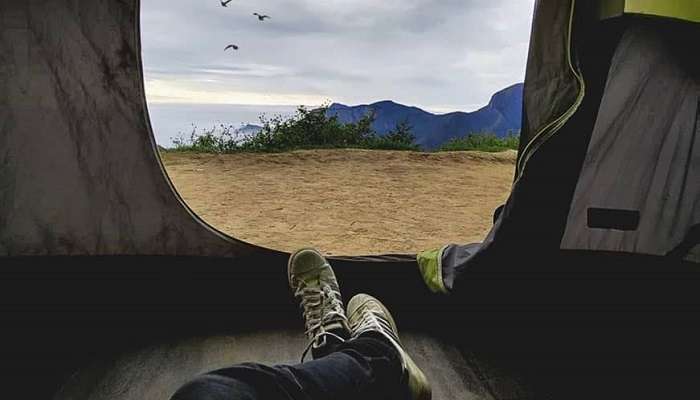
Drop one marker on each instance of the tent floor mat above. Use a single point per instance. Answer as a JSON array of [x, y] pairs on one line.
[[155, 372]]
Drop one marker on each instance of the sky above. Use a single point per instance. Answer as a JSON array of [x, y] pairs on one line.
[[440, 55]]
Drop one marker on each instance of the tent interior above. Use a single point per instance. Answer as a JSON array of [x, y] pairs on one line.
[[112, 288]]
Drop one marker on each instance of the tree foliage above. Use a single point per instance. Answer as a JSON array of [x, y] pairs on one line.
[[306, 129]]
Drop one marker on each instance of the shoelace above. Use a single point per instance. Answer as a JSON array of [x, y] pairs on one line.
[[320, 306], [370, 322]]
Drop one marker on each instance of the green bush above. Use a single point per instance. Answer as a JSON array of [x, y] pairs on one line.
[[487, 142], [314, 129], [309, 129], [221, 139], [306, 129], [401, 138]]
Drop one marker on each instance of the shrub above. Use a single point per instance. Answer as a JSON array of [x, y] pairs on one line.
[[487, 142], [306, 129], [309, 129], [401, 138], [221, 139]]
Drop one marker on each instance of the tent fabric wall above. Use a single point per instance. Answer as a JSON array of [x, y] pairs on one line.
[[78, 168], [550, 86], [694, 254], [644, 154]]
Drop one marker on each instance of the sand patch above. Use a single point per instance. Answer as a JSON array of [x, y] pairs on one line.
[[346, 202]]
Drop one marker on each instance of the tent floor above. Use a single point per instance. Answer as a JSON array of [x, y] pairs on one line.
[[155, 372], [139, 327]]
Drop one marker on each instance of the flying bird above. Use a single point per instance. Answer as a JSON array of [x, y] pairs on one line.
[[225, 3], [231, 46], [261, 17]]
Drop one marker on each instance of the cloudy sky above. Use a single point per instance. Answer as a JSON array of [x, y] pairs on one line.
[[441, 55]]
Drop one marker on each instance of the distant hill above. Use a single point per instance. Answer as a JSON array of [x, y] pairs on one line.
[[501, 116]]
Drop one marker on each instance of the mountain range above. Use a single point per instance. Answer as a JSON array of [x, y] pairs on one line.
[[501, 116]]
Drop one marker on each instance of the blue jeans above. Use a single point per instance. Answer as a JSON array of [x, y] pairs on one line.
[[366, 368]]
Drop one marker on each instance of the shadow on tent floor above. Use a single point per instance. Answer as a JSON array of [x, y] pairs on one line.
[[138, 327], [155, 372]]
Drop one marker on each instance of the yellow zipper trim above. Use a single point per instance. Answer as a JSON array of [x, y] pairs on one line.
[[553, 127]]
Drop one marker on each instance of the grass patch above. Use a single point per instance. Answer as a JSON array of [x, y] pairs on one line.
[[486, 142]]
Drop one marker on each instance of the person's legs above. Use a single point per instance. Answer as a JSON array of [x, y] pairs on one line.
[[367, 367], [356, 357]]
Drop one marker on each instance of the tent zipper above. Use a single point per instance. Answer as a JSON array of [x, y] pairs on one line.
[[553, 127]]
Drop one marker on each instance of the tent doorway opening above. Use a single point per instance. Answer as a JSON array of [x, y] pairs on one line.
[[415, 145]]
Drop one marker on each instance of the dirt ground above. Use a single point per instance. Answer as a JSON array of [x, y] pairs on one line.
[[346, 202]]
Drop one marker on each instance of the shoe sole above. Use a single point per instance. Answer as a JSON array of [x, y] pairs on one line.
[[410, 364]]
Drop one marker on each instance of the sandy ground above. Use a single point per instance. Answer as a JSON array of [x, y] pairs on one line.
[[346, 202]]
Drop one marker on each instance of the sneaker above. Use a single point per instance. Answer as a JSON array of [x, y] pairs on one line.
[[313, 282], [367, 315]]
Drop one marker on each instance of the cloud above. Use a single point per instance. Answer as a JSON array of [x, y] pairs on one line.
[[439, 54], [211, 92]]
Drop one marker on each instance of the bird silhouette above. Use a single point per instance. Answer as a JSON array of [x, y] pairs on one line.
[[231, 46], [225, 3], [261, 17]]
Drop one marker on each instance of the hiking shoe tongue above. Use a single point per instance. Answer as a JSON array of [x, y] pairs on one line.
[[314, 284], [367, 315]]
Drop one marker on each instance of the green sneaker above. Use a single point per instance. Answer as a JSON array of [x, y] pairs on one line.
[[313, 282], [367, 314]]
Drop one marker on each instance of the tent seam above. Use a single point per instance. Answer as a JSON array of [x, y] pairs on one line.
[[553, 127]]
